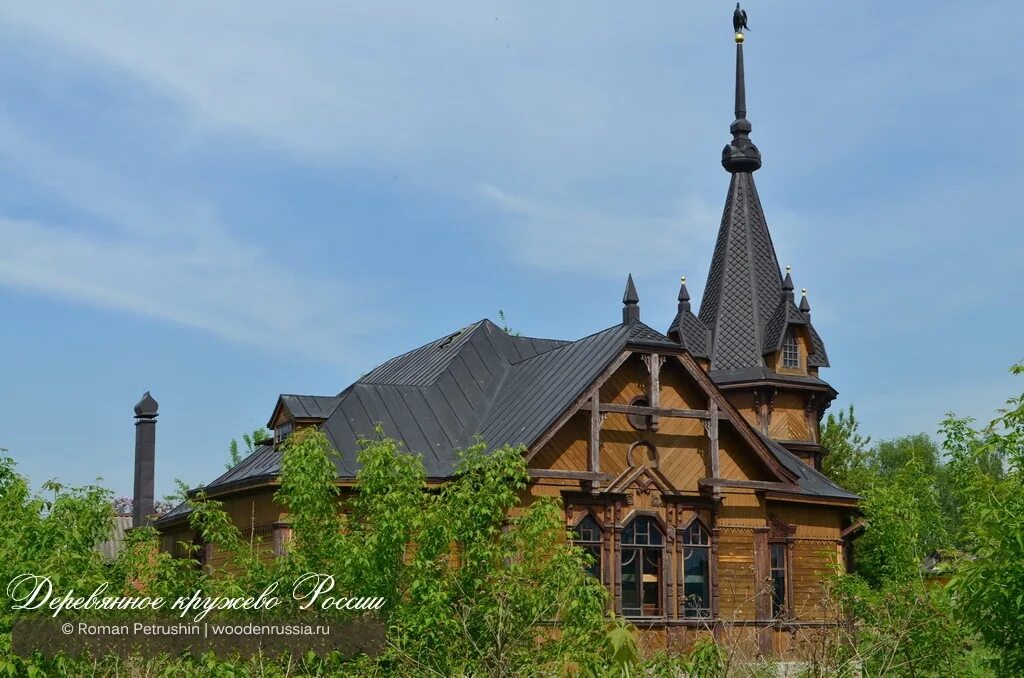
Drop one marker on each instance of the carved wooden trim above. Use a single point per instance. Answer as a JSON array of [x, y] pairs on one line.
[[653, 361], [655, 458]]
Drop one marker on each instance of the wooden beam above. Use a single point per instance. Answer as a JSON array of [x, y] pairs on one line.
[[794, 498], [568, 475], [740, 424], [713, 438], [576, 406], [856, 527], [748, 484], [649, 411], [762, 592], [654, 362], [594, 441]]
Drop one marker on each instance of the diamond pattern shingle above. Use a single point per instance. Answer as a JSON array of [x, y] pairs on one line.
[[741, 305]]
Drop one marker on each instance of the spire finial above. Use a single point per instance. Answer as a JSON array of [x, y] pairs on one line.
[[787, 284], [741, 155], [805, 306], [684, 296], [630, 302]]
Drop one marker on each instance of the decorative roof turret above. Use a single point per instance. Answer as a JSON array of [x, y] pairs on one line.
[[787, 285], [805, 306], [630, 302], [684, 296], [686, 328], [748, 303], [740, 155]]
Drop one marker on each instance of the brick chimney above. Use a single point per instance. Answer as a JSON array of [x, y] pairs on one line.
[[145, 460]]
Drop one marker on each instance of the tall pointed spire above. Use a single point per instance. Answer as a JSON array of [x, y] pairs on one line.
[[740, 155], [630, 302]]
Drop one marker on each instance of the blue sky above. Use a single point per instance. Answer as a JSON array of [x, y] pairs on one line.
[[220, 202]]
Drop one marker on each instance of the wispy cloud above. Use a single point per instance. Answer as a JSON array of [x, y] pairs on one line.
[[218, 285], [131, 248], [564, 237]]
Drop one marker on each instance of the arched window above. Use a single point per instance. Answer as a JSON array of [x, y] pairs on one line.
[[587, 536], [790, 350], [696, 571], [641, 571]]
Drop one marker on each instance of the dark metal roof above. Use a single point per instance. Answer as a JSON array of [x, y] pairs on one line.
[[810, 481], [758, 374], [691, 333], [744, 285], [483, 384], [310, 407]]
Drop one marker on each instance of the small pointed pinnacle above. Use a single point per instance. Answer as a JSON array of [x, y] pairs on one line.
[[805, 306], [630, 299], [630, 295], [787, 285], [684, 295]]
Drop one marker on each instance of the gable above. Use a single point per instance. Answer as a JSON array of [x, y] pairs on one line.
[[681, 445]]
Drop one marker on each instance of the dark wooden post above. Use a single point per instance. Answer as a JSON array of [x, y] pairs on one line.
[[762, 592], [594, 441], [654, 363], [145, 459], [713, 439]]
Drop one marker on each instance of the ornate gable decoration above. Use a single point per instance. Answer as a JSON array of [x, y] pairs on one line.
[[779, 530]]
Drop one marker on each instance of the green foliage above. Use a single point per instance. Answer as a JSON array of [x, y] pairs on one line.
[[475, 583], [251, 442], [902, 528], [504, 324], [988, 466], [847, 458], [904, 627]]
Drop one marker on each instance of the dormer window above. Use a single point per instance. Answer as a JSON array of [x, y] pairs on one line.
[[283, 430], [790, 350]]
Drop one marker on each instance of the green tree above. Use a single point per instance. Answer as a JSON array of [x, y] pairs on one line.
[[251, 441], [987, 464], [847, 461]]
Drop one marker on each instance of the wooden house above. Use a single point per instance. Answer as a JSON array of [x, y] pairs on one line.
[[688, 461]]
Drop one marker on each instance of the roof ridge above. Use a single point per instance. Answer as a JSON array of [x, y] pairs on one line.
[[573, 342], [459, 335]]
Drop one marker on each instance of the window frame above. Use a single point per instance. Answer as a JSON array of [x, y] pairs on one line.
[[594, 546], [643, 549], [779, 608], [790, 350], [696, 538], [280, 437]]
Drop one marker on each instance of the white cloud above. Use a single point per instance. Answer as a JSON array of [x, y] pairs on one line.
[[217, 285], [142, 249]]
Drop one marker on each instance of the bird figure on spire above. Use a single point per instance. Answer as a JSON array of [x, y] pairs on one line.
[[739, 19]]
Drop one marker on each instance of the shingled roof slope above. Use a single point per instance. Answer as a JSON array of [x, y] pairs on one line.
[[744, 284], [483, 384]]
